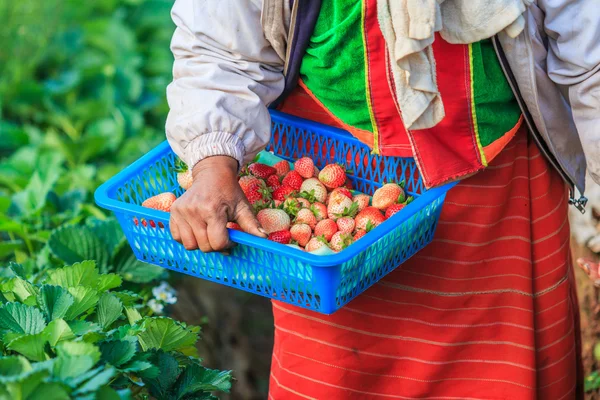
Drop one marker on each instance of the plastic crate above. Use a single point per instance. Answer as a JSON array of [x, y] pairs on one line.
[[320, 283]]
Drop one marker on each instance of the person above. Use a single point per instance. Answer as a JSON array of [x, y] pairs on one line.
[[501, 95]]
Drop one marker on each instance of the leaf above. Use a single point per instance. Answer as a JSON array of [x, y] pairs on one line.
[[85, 299], [143, 369], [108, 393], [133, 315], [195, 378], [66, 367], [71, 348], [109, 310], [9, 246], [22, 289], [57, 331], [169, 370], [49, 391], [165, 334], [73, 244], [133, 270], [128, 298], [18, 270], [109, 281], [79, 274], [54, 301], [31, 346], [108, 231], [97, 381], [81, 328], [118, 352], [20, 318]]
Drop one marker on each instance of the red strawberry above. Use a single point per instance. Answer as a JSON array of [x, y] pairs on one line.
[[293, 180], [145, 223], [348, 185], [333, 176], [160, 202], [282, 167], [339, 205], [257, 191], [388, 194], [362, 200], [305, 216], [346, 224], [234, 225], [273, 181], [303, 202], [326, 228], [320, 210], [301, 233], [305, 167], [185, 179], [315, 243], [359, 233], [393, 209], [273, 220], [282, 193], [283, 237], [246, 180], [340, 241], [262, 171], [313, 189], [369, 214]]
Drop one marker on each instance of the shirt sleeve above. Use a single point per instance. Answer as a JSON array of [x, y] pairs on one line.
[[573, 29], [225, 75]]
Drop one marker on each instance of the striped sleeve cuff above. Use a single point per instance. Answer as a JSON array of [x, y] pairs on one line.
[[214, 144]]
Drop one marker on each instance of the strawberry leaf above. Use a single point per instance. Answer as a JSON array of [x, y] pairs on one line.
[[20, 318], [166, 334], [78, 274], [118, 352], [31, 346], [109, 310], [54, 301]]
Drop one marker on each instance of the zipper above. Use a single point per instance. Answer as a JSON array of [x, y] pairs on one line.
[[579, 203]]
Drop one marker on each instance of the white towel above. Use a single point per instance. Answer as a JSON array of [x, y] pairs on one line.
[[409, 27]]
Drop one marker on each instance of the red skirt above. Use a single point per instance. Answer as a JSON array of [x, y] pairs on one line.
[[488, 310]]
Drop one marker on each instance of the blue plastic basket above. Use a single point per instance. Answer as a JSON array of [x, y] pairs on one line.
[[320, 283]]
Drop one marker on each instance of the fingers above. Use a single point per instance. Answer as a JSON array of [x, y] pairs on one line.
[[217, 234], [591, 269], [245, 217]]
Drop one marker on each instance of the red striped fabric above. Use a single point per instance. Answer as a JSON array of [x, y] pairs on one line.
[[487, 311]]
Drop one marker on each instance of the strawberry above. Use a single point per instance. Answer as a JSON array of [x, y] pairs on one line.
[[316, 243], [346, 224], [283, 237], [305, 216], [282, 168], [359, 233], [257, 191], [326, 228], [305, 167], [160, 202], [340, 241], [317, 171], [343, 191], [333, 176], [313, 190], [145, 223], [348, 185], [293, 180], [320, 210], [301, 233], [185, 179], [273, 181], [339, 205], [369, 214], [262, 171], [273, 220], [303, 202], [388, 194], [362, 200], [234, 226], [393, 209], [277, 203], [282, 192], [247, 180]]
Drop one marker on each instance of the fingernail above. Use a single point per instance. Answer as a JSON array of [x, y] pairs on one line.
[[261, 230]]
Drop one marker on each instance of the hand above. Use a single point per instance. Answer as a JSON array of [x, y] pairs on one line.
[[591, 269], [199, 216]]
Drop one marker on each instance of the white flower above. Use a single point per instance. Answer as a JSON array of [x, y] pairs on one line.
[[165, 293], [156, 306]]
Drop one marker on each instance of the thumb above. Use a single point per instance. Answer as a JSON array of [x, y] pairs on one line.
[[248, 222], [589, 267]]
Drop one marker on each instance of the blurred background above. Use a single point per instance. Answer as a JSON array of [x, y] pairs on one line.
[[82, 94]]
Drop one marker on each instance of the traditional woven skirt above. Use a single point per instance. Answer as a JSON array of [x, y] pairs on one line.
[[488, 310]]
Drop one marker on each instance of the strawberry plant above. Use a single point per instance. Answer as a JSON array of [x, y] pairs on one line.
[[70, 332]]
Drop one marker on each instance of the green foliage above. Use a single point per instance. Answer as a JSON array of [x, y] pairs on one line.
[[75, 339]]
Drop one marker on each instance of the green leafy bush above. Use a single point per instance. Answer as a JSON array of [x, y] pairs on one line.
[[69, 333]]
